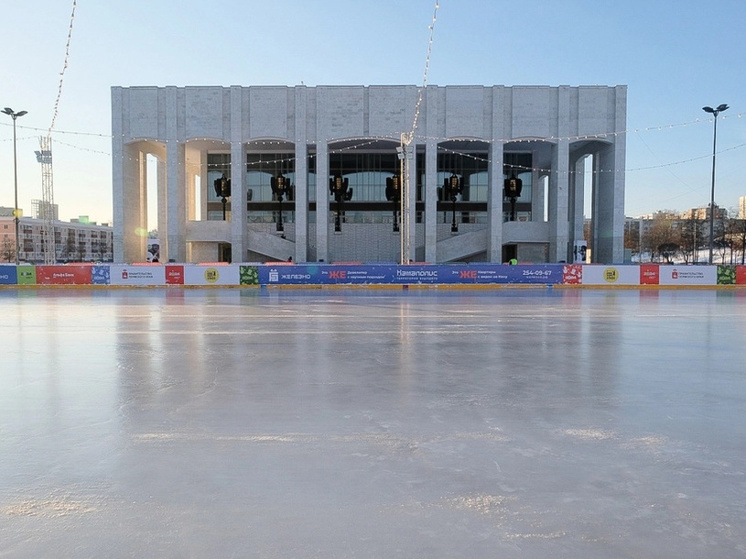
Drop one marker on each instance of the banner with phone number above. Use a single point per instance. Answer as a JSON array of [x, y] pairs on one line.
[[330, 274]]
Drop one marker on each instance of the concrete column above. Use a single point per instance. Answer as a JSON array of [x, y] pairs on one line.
[[162, 197], [495, 174], [576, 203], [301, 177], [431, 201], [322, 200], [130, 228], [559, 187], [176, 201], [609, 219], [239, 218]]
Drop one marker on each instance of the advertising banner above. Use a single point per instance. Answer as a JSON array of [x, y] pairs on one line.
[[174, 275], [741, 275], [688, 275], [8, 275], [138, 275], [649, 274], [63, 275], [26, 275], [100, 275], [726, 275], [572, 274], [211, 275], [324, 274], [497, 274], [329, 274], [599, 274], [580, 252], [248, 275]]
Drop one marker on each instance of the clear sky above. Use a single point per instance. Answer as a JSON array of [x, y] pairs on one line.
[[674, 56]]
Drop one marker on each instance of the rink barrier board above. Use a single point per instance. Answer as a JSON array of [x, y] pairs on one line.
[[305, 275]]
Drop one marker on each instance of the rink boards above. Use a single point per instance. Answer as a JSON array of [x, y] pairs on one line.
[[351, 274]]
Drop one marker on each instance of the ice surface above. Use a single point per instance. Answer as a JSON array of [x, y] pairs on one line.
[[422, 423]]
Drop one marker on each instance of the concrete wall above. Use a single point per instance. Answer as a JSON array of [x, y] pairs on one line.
[[571, 121]]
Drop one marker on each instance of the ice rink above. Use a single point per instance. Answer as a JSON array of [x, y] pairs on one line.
[[514, 423]]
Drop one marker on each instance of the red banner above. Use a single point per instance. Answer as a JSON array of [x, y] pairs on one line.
[[649, 274], [63, 275], [740, 275], [174, 275]]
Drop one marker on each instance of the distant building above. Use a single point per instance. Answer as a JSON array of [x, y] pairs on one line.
[[742, 207], [704, 213], [74, 242], [39, 209]]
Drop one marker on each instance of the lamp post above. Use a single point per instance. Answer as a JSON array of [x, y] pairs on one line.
[[8, 111], [453, 186], [715, 112], [223, 190]]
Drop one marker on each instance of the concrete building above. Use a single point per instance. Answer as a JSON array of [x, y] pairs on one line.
[[335, 148], [74, 242]]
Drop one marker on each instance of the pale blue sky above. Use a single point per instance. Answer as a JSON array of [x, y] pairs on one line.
[[674, 56]]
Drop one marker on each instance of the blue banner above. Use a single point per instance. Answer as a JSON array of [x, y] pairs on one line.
[[330, 274], [8, 275]]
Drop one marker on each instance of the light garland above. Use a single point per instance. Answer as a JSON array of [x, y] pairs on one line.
[[64, 68]]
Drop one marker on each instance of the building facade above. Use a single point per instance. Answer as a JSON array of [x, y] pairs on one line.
[[74, 242], [254, 174]]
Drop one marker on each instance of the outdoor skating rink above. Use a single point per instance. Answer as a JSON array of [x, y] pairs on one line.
[[267, 423]]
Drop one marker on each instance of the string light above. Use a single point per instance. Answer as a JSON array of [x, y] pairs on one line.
[[64, 68], [424, 77]]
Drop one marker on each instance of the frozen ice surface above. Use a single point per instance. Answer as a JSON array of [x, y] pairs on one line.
[[423, 424]]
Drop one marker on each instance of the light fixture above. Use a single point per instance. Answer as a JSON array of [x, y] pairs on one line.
[[8, 111]]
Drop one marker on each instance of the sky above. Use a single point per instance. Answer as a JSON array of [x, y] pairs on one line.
[[674, 57]]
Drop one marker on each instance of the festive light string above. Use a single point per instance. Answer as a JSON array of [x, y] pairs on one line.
[[64, 68], [443, 139], [393, 139], [468, 155], [421, 91]]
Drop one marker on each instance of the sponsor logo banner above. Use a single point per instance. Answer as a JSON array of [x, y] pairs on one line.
[[726, 275], [8, 275], [138, 275], [174, 275], [26, 275], [688, 275], [63, 275], [100, 275], [649, 274], [572, 274], [611, 275], [211, 275]]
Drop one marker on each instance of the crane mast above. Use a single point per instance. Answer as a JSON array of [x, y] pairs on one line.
[[44, 157]]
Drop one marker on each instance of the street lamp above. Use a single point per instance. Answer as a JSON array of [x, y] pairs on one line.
[[8, 111], [715, 112]]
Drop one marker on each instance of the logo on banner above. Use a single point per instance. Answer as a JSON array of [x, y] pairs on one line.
[[274, 276], [611, 275], [125, 274], [211, 275]]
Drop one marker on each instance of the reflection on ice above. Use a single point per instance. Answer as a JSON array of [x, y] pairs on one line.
[[350, 423]]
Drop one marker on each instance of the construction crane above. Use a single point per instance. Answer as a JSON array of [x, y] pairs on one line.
[[44, 157]]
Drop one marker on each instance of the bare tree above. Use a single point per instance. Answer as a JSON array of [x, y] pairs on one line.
[[660, 236], [7, 251]]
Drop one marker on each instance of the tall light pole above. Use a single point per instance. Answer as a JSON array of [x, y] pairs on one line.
[[14, 116], [715, 112]]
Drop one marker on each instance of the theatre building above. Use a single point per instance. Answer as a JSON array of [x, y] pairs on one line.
[[369, 174]]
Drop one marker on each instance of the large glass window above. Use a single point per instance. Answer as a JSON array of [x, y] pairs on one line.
[[519, 165], [217, 165]]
